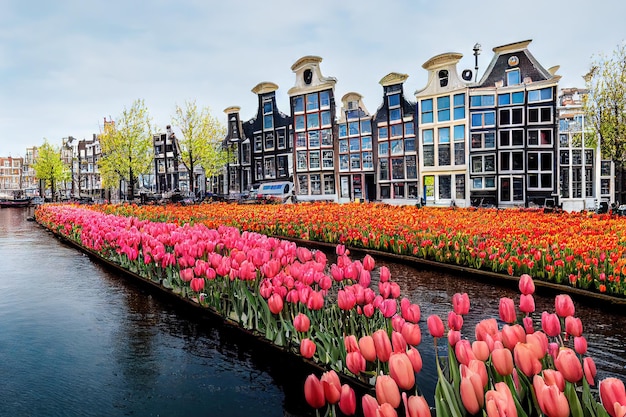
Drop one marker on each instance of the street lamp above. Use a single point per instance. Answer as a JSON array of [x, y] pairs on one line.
[[476, 49]]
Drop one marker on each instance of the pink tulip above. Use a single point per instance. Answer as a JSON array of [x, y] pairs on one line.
[[382, 344], [528, 325], [580, 345], [512, 335], [454, 336], [347, 400], [369, 405], [415, 406], [387, 410], [613, 395], [401, 370], [397, 322], [463, 351], [415, 358], [538, 341], [332, 386], [527, 303], [315, 301], [461, 303], [387, 391], [487, 330], [435, 326], [314, 392], [526, 359], [455, 321], [355, 362], [197, 284], [302, 323], [351, 344], [412, 333], [499, 402], [368, 263], [526, 284], [365, 279], [573, 326], [346, 300], [502, 360], [552, 401], [398, 343], [471, 388], [340, 250], [589, 369], [554, 377], [564, 305], [410, 312], [385, 274], [275, 303], [569, 365], [388, 308], [307, 348], [507, 310], [550, 324], [368, 348], [481, 350], [480, 368]]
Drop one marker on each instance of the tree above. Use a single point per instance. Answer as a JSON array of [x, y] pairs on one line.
[[201, 144], [127, 148], [605, 107], [49, 167]]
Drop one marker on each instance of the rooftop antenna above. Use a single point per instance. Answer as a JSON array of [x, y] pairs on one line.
[[477, 49]]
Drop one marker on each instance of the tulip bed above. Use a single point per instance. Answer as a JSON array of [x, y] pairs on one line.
[[350, 317], [580, 250]]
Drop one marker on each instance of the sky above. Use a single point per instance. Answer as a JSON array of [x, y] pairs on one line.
[[65, 65]]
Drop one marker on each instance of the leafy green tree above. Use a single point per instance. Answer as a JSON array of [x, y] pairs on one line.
[[201, 144], [605, 107], [49, 167], [127, 148]]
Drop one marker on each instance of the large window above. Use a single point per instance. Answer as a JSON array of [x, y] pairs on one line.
[[511, 116], [443, 147], [411, 167], [270, 168], [397, 168], [540, 115], [329, 184], [513, 77], [269, 141], [303, 184], [483, 164], [314, 160], [258, 144], [314, 139], [512, 161], [428, 147], [368, 160], [327, 137], [301, 160], [511, 138], [459, 145], [540, 137], [459, 106], [328, 160], [316, 184], [427, 111], [459, 183], [483, 140], [539, 170], [507, 99], [312, 102], [484, 119], [544, 94], [324, 99], [383, 168], [298, 104], [511, 189], [383, 133], [445, 187], [443, 109], [482, 101]]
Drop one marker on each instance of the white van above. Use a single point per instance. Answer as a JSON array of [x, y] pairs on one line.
[[282, 191]]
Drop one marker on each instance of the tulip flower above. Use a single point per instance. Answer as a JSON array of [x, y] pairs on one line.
[[499, 402], [528, 325], [412, 333], [481, 350], [512, 335], [382, 344], [351, 344], [563, 305], [612, 395], [461, 303], [552, 401], [387, 391], [454, 336], [526, 359], [415, 358], [538, 342], [435, 326], [554, 377], [550, 324], [569, 365], [369, 405], [275, 303], [415, 406], [573, 326], [347, 400], [502, 360], [314, 392], [526, 284], [302, 323], [463, 351], [368, 262], [507, 310], [589, 369], [471, 389], [410, 312], [197, 284], [527, 303], [398, 343], [580, 345], [307, 348], [387, 410], [355, 362], [368, 348], [332, 386], [455, 321], [401, 370]]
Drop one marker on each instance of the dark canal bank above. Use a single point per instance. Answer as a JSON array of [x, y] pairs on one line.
[[78, 339]]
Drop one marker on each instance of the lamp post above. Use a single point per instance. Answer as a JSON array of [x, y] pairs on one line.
[[476, 49]]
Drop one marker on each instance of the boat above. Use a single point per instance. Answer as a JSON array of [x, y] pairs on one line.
[[16, 202]]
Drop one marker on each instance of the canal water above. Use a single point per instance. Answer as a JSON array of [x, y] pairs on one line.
[[77, 339]]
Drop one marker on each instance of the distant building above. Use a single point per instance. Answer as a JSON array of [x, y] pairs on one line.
[[312, 105], [29, 176], [237, 146], [170, 174], [89, 181], [11, 176]]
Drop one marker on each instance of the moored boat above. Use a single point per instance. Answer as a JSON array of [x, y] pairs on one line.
[[16, 202]]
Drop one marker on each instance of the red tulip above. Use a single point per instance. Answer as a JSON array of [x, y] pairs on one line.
[[589, 368], [197, 284], [526, 284], [275, 303], [564, 305], [499, 402], [382, 344], [332, 386], [368, 348], [369, 405], [302, 323], [552, 401], [471, 388], [314, 392], [502, 360], [435, 326], [507, 310], [401, 370], [569, 365], [347, 401], [415, 406], [307, 348], [355, 362], [315, 301], [613, 395], [387, 391], [526, 303], [573, 326], [461, 303], [455, 321]]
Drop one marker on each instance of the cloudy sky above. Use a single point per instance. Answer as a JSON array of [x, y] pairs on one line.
[[65, 65]]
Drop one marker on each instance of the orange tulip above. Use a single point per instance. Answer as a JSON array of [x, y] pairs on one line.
[[382, 344], [387, 391], [398, 343], [502, 360], [369, 405], [512, 335], [401, 370], [368, 348], [412, 333], [387, 410], [463, 351]]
